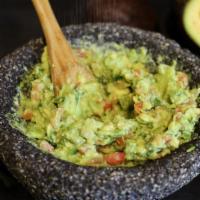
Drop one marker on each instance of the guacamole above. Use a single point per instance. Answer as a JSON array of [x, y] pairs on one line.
[[130, 113]]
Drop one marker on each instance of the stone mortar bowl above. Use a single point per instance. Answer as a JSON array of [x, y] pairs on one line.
[[48, 178]]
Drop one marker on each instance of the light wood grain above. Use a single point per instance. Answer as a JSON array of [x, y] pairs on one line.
[[64, 64]]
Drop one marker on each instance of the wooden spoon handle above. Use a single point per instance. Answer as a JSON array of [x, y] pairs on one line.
[[65, 69], [49, 23], [60, 53], [47, 18]]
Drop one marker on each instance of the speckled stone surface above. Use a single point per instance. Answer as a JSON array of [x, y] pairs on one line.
[[48, 178]]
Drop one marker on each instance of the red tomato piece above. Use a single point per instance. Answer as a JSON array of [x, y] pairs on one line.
[[138, 107], [183, 79], [120, 141], [108, 106], [115, 158], [137, 72], [82, 53], [27, 115]]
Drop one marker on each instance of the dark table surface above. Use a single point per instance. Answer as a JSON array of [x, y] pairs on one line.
[[18, 24]]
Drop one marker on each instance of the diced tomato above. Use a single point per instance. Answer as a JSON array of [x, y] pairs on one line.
[[36, 91], [120, 142], [178, 109], [138, 107], [96, 161], [178, 116], [44, 145], [167, 139], [83, 150], [82, 53], [27, 115], [115, 158], [137, 72], [108, 106], [182, 79]]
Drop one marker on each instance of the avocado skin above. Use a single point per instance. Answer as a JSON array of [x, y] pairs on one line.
[[48, 178], [186, 40]]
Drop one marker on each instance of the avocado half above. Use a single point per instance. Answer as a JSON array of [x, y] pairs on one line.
[[48, 178], [191, 20]]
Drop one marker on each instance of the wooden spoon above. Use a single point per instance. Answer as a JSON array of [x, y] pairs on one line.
[[64, 64]]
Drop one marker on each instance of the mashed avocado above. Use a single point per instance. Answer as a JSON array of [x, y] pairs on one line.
[[127, 115]]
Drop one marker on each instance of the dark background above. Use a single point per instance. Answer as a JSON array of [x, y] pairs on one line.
[[19, 24]]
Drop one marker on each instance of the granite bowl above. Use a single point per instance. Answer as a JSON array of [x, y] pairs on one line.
[[48, 178]]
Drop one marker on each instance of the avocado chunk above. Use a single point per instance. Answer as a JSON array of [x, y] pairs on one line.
[[191, 20]]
